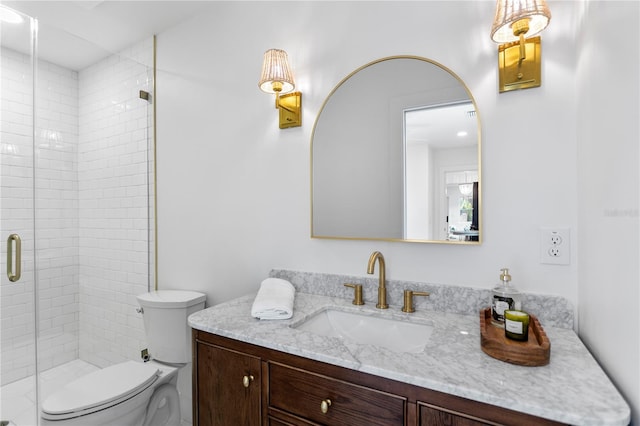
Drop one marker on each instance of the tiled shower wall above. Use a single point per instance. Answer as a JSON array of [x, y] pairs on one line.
[[56, 213], [113, 173], [92, 220]]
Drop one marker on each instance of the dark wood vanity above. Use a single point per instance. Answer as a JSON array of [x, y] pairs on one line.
[[237, 383]]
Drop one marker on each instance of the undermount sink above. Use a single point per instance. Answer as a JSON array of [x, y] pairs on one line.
[[394, 334]]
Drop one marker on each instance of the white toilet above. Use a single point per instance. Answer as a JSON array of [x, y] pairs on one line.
[[135, 393]]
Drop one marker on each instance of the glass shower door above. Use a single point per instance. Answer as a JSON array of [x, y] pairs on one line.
[[77, 195], [18, 369]]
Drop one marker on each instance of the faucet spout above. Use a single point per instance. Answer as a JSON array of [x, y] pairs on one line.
[[382, 287]]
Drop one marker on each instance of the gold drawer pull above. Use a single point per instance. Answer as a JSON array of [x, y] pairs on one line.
[[14, 240], [246, 380], [324, 405]]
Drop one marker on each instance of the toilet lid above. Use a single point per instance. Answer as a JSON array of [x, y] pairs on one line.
[[101, 388]]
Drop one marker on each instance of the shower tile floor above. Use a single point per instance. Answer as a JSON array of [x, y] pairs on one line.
[[18, 399]]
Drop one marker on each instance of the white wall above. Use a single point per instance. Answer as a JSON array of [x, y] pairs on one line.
[[608, 153], [233, 189]]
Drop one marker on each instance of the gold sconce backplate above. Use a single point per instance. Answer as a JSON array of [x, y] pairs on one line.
[[516, 73], [289, 106]]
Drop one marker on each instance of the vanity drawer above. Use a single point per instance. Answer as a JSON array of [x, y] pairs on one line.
[[302, 393]]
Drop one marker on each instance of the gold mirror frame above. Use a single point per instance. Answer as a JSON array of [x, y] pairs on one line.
[[469, 98]]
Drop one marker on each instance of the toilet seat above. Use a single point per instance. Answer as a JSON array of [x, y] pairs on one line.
[[99, 390]]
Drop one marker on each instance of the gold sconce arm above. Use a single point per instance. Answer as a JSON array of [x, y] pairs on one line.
[[523, 50], [520, 28]]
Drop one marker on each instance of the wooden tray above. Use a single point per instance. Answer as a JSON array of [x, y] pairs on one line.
[[533, 352]]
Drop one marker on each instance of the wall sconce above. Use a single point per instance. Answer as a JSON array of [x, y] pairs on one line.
[[277, 78], [519, 58]]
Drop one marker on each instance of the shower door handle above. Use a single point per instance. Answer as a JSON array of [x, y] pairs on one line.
[[14, 240]]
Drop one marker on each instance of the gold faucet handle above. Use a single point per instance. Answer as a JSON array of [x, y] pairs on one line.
[[357, 296], [408, 299]]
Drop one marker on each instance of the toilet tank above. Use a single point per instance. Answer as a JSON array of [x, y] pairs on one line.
[[165, 315]]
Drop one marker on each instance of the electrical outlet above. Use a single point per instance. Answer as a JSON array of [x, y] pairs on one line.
[[555, 246]]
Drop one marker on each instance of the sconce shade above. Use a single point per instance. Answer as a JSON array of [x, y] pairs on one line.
[[519, 17], [276, 74]]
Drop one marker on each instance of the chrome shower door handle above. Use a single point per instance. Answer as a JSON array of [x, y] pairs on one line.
[[14, 239]]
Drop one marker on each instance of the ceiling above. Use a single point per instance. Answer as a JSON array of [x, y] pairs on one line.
[[443, 127], [76, 34]]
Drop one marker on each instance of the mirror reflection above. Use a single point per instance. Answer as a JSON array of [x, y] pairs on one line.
[[395, 155]]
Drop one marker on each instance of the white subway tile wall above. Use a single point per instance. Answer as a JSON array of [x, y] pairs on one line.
[[56, 213], [114, 189], [92, 219]]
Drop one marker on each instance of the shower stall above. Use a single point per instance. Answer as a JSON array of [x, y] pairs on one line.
[[77, 207]]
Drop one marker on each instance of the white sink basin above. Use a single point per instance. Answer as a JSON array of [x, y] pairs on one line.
[[397, 335]]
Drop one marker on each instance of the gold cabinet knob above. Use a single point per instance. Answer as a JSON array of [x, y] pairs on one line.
[[408, 299], [246, 380], [324, 405]]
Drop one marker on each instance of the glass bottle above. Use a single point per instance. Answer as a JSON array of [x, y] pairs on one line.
[[504, 296]]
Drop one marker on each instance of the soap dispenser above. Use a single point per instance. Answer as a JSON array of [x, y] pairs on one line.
[[505, 297]]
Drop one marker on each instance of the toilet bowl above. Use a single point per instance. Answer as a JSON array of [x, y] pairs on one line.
[[134, 393]]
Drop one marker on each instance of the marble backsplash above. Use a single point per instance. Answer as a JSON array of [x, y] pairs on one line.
[[552, 311]]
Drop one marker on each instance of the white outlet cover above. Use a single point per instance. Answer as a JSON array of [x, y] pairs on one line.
[[555, 246]]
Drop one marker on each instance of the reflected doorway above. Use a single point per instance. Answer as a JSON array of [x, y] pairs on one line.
[[440, 153]]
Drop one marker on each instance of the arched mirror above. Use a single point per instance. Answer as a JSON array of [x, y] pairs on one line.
[[395, 155]]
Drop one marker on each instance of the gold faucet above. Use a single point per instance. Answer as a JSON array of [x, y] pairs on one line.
[[382, 288]]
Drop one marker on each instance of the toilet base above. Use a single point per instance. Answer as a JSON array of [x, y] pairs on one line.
[[157, 405], [164, 407]]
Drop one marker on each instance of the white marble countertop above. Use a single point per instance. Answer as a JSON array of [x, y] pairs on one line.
[[572, 388]]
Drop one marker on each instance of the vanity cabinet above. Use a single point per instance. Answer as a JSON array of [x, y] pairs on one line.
[[237, 383]]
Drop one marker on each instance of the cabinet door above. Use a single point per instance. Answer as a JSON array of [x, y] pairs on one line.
[[227, 387], [431, 415]]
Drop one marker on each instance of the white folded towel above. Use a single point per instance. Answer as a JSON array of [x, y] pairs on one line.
[[274, 300]]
